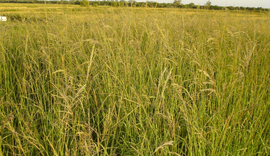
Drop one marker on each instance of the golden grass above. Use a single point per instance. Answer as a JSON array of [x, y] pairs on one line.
[[133, 81]]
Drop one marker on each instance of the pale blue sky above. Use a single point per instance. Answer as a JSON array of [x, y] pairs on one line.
[[244, 3]]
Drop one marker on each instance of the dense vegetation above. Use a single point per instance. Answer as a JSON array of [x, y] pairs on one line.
[[133, 81], [151, 4]]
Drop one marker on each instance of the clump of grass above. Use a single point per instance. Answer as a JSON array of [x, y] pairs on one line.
[[128, 81], [16, 17], [84, 3]]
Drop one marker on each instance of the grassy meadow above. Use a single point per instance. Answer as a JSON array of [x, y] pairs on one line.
[[133, 81]]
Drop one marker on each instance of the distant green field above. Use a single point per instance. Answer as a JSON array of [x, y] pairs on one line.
[[133, 81]]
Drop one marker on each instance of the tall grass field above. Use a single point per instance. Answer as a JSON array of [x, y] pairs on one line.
[[127, 81]]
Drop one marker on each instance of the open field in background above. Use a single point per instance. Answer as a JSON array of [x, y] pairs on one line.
[[133, 81]]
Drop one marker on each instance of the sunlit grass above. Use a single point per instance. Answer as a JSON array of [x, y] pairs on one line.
[[134, 81]]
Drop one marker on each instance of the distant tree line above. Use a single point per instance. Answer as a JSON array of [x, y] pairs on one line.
[[133, 3]]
